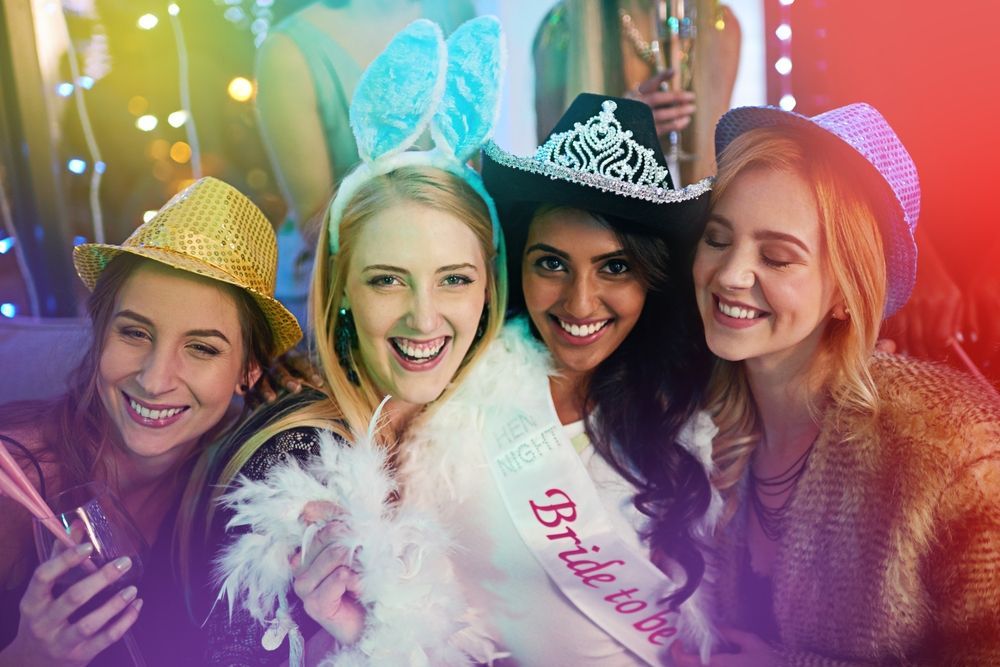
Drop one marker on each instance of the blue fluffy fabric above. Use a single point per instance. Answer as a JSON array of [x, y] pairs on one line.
[[421, 82], [394, 100], [468, 109]]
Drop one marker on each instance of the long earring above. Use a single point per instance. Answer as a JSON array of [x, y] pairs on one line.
[[483, 321], [345, 339]]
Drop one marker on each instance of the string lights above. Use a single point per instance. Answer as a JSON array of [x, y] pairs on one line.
[[255, 14], [783, 64]]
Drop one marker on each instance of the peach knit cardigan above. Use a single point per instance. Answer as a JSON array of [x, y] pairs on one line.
[[891, 554]]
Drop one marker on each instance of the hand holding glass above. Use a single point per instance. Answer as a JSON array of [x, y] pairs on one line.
[[94, 598]]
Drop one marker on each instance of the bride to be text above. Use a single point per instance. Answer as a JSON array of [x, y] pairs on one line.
[[603, 575]]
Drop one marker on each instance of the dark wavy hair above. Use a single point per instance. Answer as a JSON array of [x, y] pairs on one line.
[[647, 390]]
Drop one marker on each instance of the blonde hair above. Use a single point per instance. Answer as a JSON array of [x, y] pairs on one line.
[[352, 405], [848, 198]]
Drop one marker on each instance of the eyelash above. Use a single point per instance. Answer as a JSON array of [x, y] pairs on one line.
[[774, 264], [134, 334], [453, 280], [625, 267], [711, 242], [459, 280], [543, 263], [384, 281]]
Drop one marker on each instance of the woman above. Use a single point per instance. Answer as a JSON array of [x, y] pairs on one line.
[[578, 508], [408, 290], [863, 490], [307, 71], [180, 327]]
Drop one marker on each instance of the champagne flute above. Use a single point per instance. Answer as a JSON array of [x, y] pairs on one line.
[[91, 513], [676, 31]]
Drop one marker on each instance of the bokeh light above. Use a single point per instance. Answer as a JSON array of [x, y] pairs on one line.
[[180, 152], [240, 89], [146, 123], [177, 118], [159, 149], [137, 105], [147, 21], [257, 179]]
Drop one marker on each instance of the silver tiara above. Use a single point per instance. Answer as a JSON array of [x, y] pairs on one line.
[[603, 155]]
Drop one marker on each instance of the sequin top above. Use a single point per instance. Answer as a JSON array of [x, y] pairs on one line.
[[236, 642]]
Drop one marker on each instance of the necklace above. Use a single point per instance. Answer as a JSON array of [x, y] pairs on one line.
[[642, 47], [772, 519]]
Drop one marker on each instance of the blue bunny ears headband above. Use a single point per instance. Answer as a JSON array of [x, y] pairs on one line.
[[422, 82]]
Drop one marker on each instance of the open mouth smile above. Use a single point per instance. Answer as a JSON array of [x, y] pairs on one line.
[[419, 355], [154, 416], [580, 333], [737, 315]]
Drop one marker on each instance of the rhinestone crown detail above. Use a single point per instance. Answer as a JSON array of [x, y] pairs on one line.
[[601, 154]]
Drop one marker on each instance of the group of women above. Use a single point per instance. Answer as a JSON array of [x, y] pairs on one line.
[[681, 447]]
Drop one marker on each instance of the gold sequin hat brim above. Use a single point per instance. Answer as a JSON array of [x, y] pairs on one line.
[[209, 229]]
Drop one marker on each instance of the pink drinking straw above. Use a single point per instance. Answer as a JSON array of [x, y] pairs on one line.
[[15, 484]]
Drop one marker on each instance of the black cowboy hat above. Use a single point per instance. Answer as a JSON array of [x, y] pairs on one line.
[[603, 156]]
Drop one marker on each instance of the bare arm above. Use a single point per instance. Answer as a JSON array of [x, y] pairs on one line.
[[292, 129]]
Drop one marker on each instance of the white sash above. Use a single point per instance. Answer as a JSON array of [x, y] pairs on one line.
[[554, 505]]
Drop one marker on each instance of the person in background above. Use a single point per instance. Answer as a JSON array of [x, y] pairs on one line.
[[610, 47]]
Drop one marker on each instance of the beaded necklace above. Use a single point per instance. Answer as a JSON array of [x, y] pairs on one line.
[[772, 519]]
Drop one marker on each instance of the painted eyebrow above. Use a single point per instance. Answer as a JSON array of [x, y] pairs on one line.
[[555, 251], [399, 269], [763, 235], [198, 333]]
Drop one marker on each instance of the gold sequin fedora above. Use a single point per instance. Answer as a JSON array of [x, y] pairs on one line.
[[212, 229]]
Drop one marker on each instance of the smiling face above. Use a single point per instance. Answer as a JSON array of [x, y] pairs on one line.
[[579, 288], [172, 359], [416, 286], [762, 285]]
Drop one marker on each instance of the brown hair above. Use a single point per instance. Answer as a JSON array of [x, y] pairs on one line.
[[73, 430]]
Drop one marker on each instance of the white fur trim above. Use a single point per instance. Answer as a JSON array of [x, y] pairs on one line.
[[414, 606], [439, 447]]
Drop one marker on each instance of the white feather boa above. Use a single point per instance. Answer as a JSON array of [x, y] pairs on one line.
[[416, 612], [414, 606], [438, 449]]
